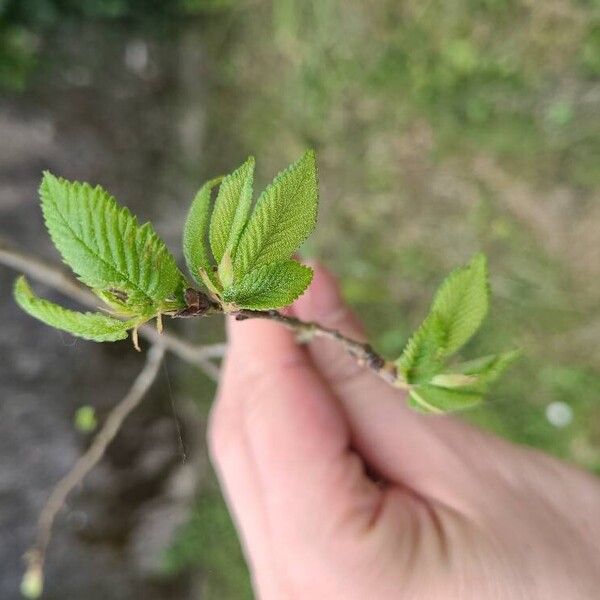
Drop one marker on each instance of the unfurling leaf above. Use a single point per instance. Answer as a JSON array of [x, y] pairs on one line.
[[458, 309], [463, 388], [461, 304], [453, 380], [104, 245], [195, 246], [284, 215], [270, 286], [430, 398], [89, 326], [421, 358], [485, 370], [231, 211]]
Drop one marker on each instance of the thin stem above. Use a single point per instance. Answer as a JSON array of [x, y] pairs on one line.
[[57, 279], [305, 331], [36, 556], [200, 355]]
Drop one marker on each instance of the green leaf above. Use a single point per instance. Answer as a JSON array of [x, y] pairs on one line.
[[485, 370], [270, 286], [284, 216], [90, 326], [195, 247], [489, 367], [106, 248], [457, 311], [421, 359], [461, 304], [430, 398], [231, 211]]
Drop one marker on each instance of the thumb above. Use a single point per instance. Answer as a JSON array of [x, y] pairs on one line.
[[296, 441]]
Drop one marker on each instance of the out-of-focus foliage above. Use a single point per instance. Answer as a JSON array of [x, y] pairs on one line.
[[22, 22], [209, 541]]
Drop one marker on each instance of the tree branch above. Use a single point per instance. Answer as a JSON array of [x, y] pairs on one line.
[[35, 557], [198, 305], [57, 279], [307, 330]]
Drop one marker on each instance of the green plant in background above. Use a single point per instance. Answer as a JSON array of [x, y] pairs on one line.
[[242, 256], [24, 23], [209, 538]]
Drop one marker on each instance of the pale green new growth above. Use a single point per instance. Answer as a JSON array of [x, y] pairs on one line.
[[251, 266], [244, 258], [464, 386], [457, 312], [270, 286], [106, 248], [284, 216], [195, 247], [89, 326], [231, 211], [421, 358], [458, 309], [487, 369], [430, 398], [461, 304]]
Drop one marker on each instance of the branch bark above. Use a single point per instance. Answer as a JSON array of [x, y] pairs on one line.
[[307, 330], [60, 281], [36, 556]]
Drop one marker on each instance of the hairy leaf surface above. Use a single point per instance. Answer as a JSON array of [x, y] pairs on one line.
[[231, 211], [103, 244], [270, 286], [284, 216], [461, 304], [195, 246], [421, 359], [458, 309], [89, 326]]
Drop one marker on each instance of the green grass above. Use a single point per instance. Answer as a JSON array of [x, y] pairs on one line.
[[208, 542]]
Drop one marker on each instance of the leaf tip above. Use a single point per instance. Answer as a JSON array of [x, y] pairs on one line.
[[21, 288]]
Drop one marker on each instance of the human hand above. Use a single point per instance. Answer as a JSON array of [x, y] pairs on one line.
[[339, 491]]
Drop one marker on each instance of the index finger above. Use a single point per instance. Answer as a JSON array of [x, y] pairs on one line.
[[297, 435]]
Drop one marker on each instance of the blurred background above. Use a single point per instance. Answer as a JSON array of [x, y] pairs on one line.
[[442, 128]]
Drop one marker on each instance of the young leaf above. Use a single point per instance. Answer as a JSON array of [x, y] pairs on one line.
[[231, 210], [430, 398], [483, 371], [105, 247], [488, 367], [458, 309], [90, 326], [270, 286], [284, 216], [421, 359], [195, 249], [461, 303]]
